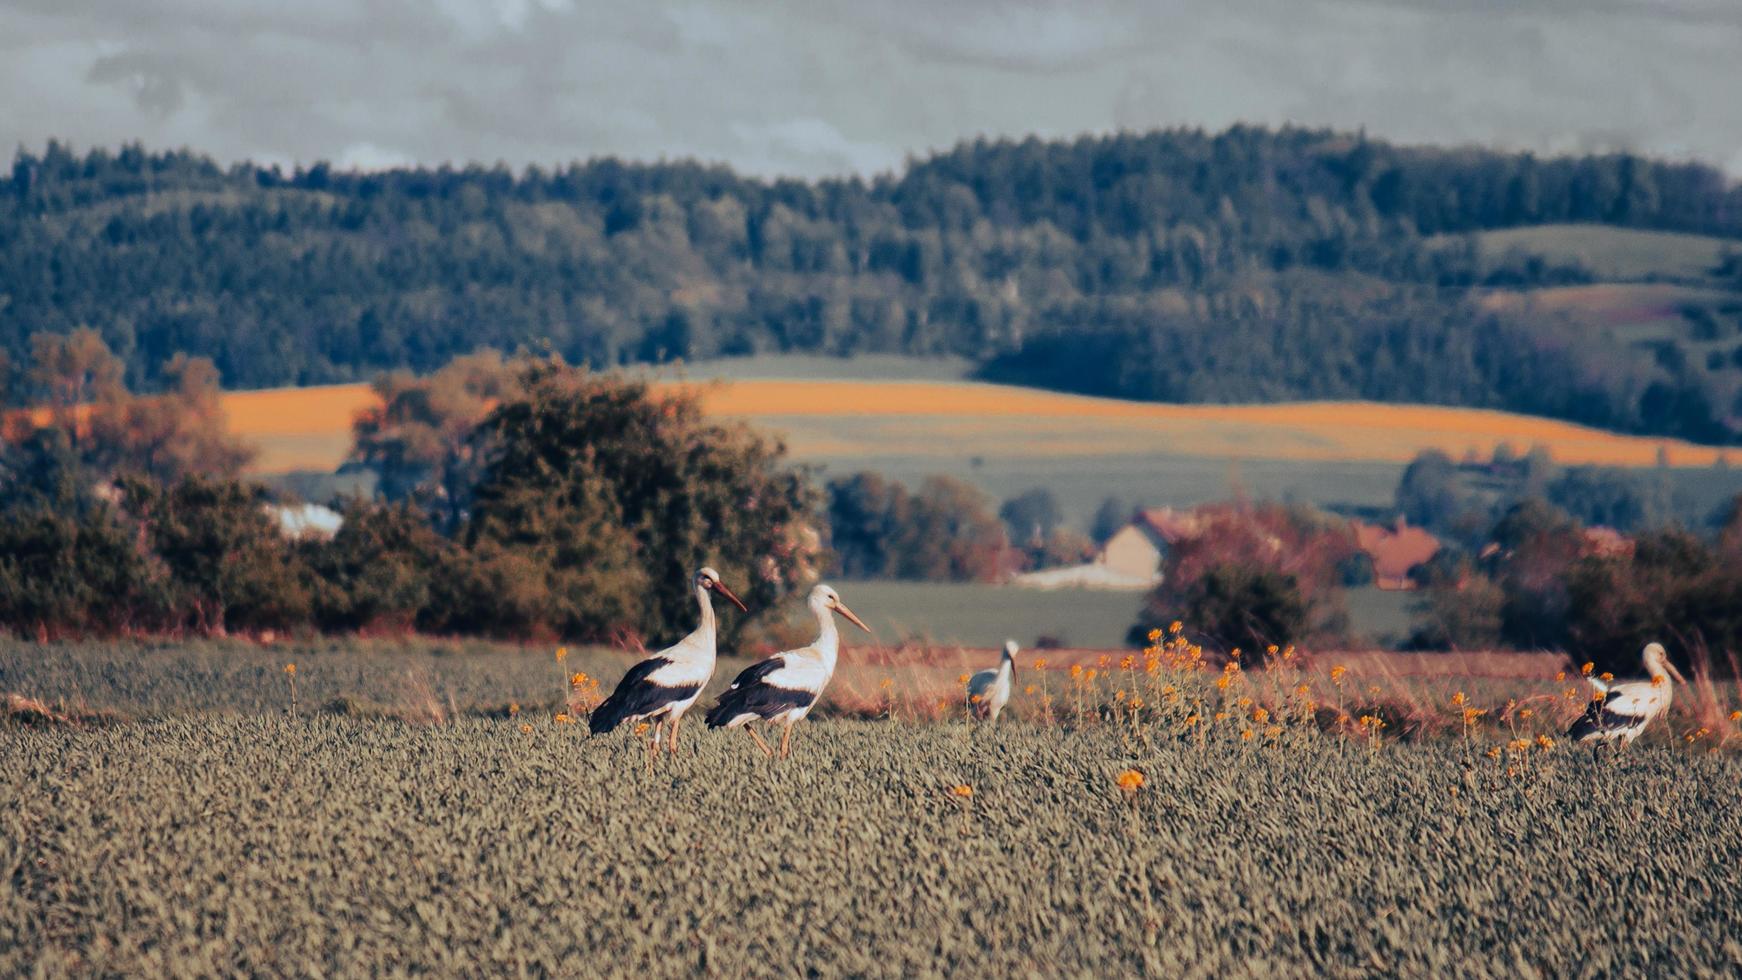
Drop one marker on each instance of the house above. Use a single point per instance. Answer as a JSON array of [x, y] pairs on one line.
[[1138, 549], [301, 521], [1131, 558], [1394, 551]]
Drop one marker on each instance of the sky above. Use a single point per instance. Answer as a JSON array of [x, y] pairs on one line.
[[810, 88]]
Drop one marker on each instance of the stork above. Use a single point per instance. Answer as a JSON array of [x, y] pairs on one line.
[[665, 685], [989, 689], [782, 689], [1622, 711]]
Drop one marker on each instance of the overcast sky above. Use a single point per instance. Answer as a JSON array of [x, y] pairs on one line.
[[812, 87]]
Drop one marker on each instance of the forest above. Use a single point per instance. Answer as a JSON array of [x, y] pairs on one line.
[[1250, 264]]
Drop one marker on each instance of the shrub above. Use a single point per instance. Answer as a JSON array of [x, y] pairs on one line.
[[228, 565]]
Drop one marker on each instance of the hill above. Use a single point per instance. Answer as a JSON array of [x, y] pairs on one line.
[[872, 420], [1179, 266]]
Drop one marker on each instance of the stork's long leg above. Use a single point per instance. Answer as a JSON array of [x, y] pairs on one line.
[[674, 720], [759, 742], [786, 740]]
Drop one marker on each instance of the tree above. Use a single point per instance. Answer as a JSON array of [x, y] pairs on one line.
[[950, 535], [617, 495], [866, 512], [422, 440], [109, 430], [1030, 516], [1464, 615], [1245, 607], [1112, 515], [228, 565], [1428, 494], [1288, 562], [379, 572]]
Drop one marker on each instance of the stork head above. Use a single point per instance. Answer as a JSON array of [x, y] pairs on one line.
[[708, 580], [1657, 663], [1010, 650], [824, 597]]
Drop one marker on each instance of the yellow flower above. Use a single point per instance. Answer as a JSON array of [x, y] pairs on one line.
[[1089, 674], [1136, 704], [1222, 682], [1736, 716], [1176, 627], [1493, 753], [1544, 743], [526, 729], [1260, 715], [1246, 735], [513, 708], [975, 699], [1191, 720], [963, 679], [578, 680], [1076, 670], [962, 790], [1587, 667], [290, 668], [642, 728], [1337, 673], [1607, 676], [1560, 675], [1127, 662], [1130, 780], [1119, 695], [1154, 635], [1526, 713], [1271, 649], [1458, 698], [1303, 690], [1029, 689], [1040, 664], [561, 653], [562, 718]]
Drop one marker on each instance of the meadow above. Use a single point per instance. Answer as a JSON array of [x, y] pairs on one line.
[[242, 837], [1611, 252]]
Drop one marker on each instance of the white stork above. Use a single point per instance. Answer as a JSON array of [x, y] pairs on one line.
[[665, 685], [1622, 711], [782, 689], [989, 689]]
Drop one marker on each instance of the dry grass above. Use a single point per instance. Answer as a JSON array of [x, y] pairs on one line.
[[309, 428]]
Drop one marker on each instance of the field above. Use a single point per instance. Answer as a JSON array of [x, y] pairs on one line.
[[236, 837], [1610, 252], [831, 420]]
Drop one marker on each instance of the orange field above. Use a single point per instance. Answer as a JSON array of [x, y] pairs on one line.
[[309, 428]]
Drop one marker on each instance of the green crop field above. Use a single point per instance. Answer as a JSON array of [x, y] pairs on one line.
[[1611, 252], [977, 615], [239, 838]]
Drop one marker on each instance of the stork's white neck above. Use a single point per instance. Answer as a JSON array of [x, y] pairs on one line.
[[828, 643], [709, 624]]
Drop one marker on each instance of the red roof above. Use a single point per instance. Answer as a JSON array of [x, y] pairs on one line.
[[1395, 550]]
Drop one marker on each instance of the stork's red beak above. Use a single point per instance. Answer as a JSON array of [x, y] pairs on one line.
[[720, 587], [841, 608]]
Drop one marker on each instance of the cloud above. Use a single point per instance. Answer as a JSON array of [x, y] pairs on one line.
[[814, 87]]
